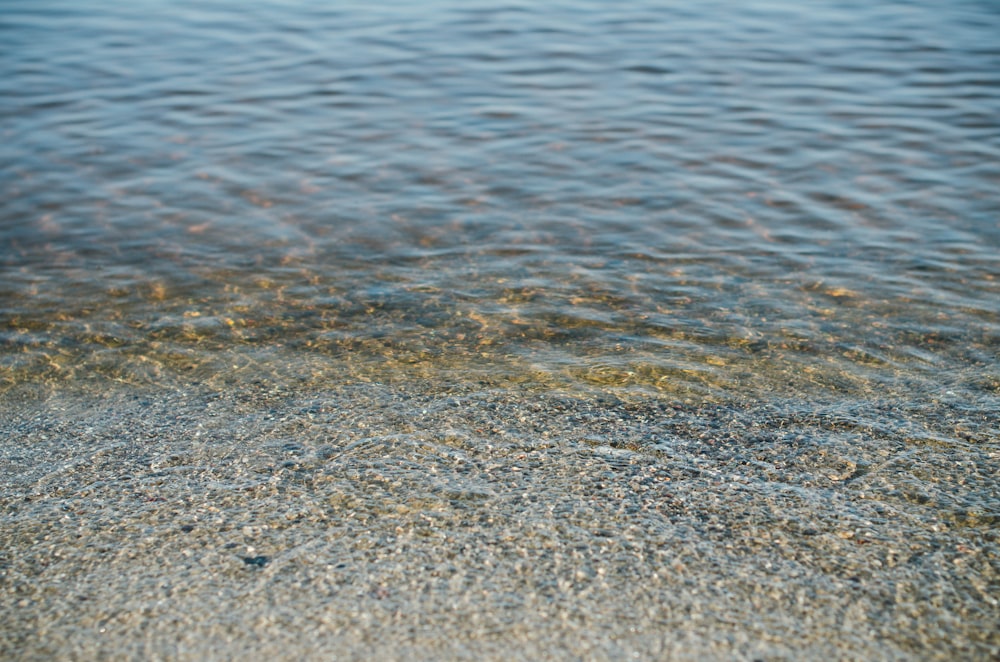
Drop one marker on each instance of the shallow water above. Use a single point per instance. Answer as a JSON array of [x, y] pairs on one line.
[[586, 317]]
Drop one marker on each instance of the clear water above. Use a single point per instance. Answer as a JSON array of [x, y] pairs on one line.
[[755, 241]]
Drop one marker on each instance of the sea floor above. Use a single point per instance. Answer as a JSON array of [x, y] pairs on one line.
[[390, 521]]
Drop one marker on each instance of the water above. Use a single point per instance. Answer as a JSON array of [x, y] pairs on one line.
[[648, 281]]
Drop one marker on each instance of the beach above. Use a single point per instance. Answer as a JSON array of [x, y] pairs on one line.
[[500, 331]]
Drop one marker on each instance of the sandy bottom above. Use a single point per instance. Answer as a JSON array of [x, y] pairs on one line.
[[382, 522]]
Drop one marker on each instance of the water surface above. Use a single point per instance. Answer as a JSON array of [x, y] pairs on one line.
[[625, 306]]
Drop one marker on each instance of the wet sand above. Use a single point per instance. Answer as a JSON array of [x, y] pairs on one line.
[[381, 521]]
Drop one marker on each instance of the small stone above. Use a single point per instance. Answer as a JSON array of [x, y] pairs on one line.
[[256, 561]]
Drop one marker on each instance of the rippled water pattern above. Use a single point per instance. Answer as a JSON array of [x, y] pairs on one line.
[[635, 195], [760, 239]]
